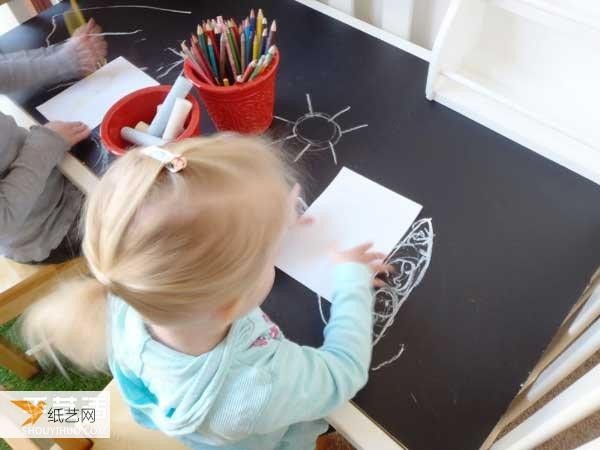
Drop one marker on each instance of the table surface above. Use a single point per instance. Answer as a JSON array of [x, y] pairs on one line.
[[516, 236]]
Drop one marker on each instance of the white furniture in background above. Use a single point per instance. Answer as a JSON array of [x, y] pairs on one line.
[[572, 405], [394, 16], [575, 343], [589, 313], [528, 69]]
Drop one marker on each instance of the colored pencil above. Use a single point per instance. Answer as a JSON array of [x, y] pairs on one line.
[[263, 43], [226, 52], [231, 57], [256, 70], [213, 38], [222, 55], [236, 42], [213, 60], [195, 65], [248, 71], [270, 39], [234, 26], [200, 39], [202, 60], [243, 51], [259, 22], [255, 47], [231, 47]]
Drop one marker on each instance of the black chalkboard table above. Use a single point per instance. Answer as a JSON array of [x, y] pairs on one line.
[[516, 236]]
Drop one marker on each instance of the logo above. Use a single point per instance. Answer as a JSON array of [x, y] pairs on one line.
[[54, 414], [34, 411]]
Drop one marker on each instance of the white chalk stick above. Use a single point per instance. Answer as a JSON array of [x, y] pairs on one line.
[[142, 126], [174, 128], [180, 89], [140, 138]]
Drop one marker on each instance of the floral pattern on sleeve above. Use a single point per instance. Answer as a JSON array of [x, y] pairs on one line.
[[273, 333]]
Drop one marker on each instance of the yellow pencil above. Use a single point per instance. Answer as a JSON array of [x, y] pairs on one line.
[[255, 47], [259, 23]]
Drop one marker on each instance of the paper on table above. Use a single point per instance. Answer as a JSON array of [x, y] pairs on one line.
[[90, 98], [352, 210]]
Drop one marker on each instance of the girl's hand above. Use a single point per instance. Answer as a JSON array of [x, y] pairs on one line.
[[362, 255], [296, 206], [90, 47], [72, 132]]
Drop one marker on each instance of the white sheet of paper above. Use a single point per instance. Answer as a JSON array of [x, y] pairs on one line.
[[90, 98], [352, 210]]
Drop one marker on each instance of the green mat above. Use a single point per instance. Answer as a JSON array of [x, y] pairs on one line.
[[45, 381]]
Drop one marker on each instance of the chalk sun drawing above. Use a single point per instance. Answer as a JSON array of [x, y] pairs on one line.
[[332, 131], [411, 258]]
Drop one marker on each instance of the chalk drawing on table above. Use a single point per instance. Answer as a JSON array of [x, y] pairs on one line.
[[154, 8], [317, 131], [61, 85], [411, 258], [165, 69]]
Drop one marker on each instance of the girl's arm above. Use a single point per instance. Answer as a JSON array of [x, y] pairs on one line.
[[38, 67], [25, 179], [309, 383]]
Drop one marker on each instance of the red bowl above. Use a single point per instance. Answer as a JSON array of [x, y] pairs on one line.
[[141, 106]]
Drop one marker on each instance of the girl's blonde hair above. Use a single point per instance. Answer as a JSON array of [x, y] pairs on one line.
[[171, 245]]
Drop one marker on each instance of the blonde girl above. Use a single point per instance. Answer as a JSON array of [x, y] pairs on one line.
[[181, 260]]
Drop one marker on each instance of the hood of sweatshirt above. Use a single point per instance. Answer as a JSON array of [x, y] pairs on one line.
[[167, 389]]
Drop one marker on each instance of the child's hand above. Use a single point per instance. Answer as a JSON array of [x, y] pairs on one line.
[[72, 132], [297, 205], [362, 255], [90, 47]]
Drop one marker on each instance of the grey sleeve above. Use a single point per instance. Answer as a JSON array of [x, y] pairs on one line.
[[26, 177], [37, 67]]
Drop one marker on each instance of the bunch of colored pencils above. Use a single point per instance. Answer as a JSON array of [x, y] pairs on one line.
[[224, 53]]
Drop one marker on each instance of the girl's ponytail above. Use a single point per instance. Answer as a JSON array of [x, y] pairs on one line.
[[70, 323]]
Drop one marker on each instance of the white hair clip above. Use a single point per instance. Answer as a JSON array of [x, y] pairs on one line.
[[172, 162]]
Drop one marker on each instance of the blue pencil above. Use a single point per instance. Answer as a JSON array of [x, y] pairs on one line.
[[249, 42], [213, 60]]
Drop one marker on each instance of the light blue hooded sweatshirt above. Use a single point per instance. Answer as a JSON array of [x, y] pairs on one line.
[[255, 390]]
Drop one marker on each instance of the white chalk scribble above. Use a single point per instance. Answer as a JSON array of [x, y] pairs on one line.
[[54, 24], [411, 258], [117, 33], [389, 361], [312, 144], [61, 85], [163, 71]]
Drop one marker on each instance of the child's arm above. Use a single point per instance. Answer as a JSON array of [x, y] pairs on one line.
[[38, 67], [309, 383], [25, 179], [75, 58]]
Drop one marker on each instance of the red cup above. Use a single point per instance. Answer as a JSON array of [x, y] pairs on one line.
[[244, 108], [141, 106]]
